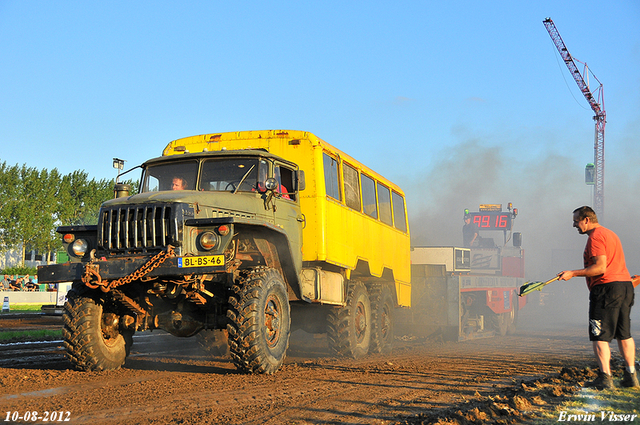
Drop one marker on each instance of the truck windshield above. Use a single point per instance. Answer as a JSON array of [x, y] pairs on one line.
[[232, 174], [217, 174], [179, 175]]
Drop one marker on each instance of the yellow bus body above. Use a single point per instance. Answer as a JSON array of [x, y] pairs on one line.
[[334, 233]]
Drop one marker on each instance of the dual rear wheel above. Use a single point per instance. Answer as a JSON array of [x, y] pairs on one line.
[[364, 324]]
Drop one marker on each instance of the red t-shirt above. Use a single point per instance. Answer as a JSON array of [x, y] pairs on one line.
[[603, 241]]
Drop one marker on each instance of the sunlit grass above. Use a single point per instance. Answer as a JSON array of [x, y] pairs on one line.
[[27, 308], [621, 401], [31, 335]]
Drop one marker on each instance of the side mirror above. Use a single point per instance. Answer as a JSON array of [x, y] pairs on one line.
[[271, 184], [301, 182], [517, 239], [121, 190]]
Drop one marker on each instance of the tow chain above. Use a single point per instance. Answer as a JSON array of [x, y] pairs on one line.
[[92, 279]]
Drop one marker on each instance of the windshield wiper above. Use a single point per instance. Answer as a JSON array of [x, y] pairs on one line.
[[244, 178]]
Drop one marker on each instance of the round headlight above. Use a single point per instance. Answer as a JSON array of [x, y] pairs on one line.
[[79, 247], [208, 240]]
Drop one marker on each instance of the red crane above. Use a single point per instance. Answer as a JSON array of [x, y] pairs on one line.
[[596, 101]]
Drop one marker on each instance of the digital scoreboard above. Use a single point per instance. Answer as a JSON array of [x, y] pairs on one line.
[[492, 220]]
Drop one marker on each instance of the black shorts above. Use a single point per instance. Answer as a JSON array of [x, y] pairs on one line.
[[609, 311]]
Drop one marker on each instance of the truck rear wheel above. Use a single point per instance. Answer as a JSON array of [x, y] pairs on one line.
[[91, 335], [382, 306], [349, 327], [259, 321]]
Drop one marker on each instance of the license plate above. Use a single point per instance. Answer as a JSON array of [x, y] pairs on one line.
[[204, 261]]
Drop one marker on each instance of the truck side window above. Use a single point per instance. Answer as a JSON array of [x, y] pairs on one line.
[[399, 219], [284, 176], [384, 202], [351, 187], [369, 196], [331, 182]]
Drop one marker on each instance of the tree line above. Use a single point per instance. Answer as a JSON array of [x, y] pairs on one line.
[[33, 203]]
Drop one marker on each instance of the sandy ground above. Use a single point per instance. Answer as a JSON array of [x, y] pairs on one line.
[[169, 380]]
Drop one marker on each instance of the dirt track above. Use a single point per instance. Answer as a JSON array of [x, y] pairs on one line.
[[168, 380]]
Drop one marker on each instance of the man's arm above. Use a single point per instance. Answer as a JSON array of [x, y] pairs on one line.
[[598, 267]]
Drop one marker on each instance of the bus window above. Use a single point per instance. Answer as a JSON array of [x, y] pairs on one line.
[[351, 187], [399, 221], [332, 185], [369, 197], [384, 202]]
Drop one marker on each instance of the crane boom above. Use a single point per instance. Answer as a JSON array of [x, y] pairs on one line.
[[596, 101]]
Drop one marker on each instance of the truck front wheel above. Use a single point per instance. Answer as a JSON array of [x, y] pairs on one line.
[[349, 327], [92, 337], [259, 321]]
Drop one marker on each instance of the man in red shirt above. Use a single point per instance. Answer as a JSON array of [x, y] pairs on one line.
[[611, 296]]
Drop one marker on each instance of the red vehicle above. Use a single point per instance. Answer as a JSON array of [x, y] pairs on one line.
[[469, 292]]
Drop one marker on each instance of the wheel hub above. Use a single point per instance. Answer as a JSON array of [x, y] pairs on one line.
[[272, 321], [360, 321], [110, 322]]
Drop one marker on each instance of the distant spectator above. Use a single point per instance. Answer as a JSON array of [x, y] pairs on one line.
[[4, 284], [29, 285], [15, 285]]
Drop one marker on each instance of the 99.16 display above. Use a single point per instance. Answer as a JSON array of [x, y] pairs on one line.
[[493, 220]]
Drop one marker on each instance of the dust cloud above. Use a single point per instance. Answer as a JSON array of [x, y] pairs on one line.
[[545, 189]]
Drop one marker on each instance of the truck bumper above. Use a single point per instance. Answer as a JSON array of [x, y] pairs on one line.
[[117, 268]]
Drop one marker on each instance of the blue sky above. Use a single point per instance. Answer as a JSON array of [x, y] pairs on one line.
[[460, 102]]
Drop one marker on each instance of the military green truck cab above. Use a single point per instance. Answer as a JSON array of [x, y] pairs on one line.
[[212, 242]]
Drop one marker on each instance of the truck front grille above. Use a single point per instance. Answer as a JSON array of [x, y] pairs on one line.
[[135, 228]]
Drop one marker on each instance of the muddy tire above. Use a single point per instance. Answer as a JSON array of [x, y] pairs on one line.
[[513, 322], [91, 336], [501, 323], [382, 307], [213, 342], [349, 327], [259, 321]]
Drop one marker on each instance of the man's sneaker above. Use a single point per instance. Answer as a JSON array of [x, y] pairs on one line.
[[630, 379], [602, 382]]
